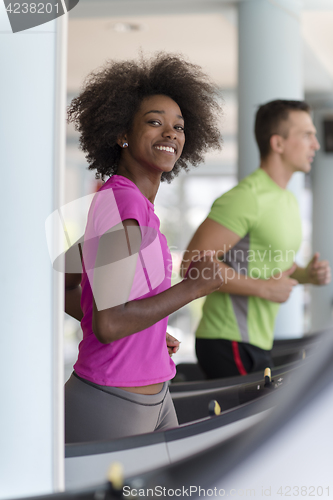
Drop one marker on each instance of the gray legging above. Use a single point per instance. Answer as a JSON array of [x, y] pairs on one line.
[[98, 412]]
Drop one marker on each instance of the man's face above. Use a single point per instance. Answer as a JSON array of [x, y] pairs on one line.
[[300, 145]]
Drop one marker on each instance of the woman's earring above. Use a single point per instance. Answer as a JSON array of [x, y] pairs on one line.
[[125, 145]]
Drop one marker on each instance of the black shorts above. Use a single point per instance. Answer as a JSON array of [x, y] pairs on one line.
[[221, 358]]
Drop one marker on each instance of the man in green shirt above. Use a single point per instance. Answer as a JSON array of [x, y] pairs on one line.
[[255, 231]]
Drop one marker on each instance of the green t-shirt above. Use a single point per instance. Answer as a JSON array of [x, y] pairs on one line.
[[267, 219]]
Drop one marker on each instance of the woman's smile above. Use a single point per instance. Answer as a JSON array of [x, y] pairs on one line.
[[166, 148]]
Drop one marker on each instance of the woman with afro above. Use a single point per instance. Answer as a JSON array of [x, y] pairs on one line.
[[140, 124]]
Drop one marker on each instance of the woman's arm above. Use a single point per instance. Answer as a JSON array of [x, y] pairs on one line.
[[117, 322], [73, 296], [72, 291]]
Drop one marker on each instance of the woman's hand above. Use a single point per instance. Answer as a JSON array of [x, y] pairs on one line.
[[172, 344], [203, 274]]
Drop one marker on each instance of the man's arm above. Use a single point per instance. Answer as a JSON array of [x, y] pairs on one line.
[[317, 272], [213, 236]]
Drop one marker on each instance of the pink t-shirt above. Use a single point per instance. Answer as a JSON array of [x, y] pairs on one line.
[[141, 358]]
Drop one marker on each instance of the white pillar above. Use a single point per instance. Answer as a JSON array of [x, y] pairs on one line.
[[270, 67], [32, 139], [322, 233]]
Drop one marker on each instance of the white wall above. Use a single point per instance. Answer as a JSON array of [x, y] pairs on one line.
[[31, 120]]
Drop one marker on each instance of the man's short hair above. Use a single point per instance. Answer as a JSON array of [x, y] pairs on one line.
[[268, 121]]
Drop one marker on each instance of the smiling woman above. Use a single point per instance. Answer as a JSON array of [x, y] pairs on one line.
[[156, 138], [133, 118], [112, 96]]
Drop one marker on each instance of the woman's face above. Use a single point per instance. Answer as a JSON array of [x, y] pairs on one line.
[[157, 137]]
